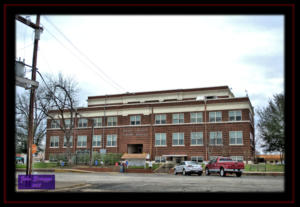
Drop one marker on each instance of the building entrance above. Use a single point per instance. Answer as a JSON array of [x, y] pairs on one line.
[[134, 148]]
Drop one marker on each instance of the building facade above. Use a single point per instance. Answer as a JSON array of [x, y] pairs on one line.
[[172, 125]]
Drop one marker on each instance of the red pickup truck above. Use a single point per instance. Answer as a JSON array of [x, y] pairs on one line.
[[223, 165]]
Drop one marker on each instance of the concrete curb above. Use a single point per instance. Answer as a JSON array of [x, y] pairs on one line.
[[264, 173]]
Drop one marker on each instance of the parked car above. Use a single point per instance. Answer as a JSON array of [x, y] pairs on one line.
[[223, 165], [188, 168]]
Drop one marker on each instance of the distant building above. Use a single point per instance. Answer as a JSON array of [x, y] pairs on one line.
[[273, 159], [171, 125]]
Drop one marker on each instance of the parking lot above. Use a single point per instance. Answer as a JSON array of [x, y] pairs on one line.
[[140, 182]]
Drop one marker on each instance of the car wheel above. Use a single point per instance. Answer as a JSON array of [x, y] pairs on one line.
[[238, 174], [207, 171], [175, 172], [222, 172], [200, 173], [183, 172]]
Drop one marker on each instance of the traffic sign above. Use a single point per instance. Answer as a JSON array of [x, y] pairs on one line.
[[33, 148]]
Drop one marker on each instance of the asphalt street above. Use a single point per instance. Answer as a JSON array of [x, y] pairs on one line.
[[156, 182]]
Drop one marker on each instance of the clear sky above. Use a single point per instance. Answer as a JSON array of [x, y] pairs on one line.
[[152, 52]]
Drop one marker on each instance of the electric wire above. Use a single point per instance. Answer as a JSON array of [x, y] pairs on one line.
[[79, 58], [62, 44], [79, 51]]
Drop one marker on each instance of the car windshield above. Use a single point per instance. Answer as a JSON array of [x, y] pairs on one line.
[[226, 159], [191, 163]]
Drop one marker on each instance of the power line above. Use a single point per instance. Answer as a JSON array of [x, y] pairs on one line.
[[79, 58], [79, 51]]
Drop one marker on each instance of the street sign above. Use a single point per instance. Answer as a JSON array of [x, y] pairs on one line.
[[102, 151], [33, 148]]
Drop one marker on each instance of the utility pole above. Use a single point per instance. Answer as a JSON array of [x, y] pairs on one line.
[[37, 29]]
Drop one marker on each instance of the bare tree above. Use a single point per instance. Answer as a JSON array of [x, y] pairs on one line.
[[39, 126], [59, 103]]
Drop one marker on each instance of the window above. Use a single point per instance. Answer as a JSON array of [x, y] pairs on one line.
[[160, 119], [67, 123], [97, 141], [251, 136], [97, 122], [196, 117], [160, 139], [197, 158], [54, 142], [70, 140], [215, 116], [237, 158], [213, 158], [160, 159], [135, 120], [235, 115], [81, 141], [215, 138], [55, 124], [82, 123], [250, 117], [196, 138], [178, 118], [178, 139], [210, 97], [235, 137], [111, 140], [112, 121]]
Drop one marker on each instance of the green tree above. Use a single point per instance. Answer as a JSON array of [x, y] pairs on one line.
[[271, 125]]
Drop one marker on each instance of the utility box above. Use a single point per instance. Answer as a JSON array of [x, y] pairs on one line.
[[20, 69]]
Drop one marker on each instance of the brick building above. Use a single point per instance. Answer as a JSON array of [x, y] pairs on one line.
[[170, 125]]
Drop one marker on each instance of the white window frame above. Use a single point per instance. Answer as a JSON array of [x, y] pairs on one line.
[[160, 137], [250, 117], [160, 159], [82, 122], [67, 123], [199, 136], [180, 118], [159, 118], [216, 137], [110, 139], [56, 140], [96, 121], [65, 142], [135, 120], [97, 137], [177, 137], [112, 121], [235, 115], [55, 124], [212, 157], [235, 133], [236, 158], [82, 137], [197, 158], [198, 115], [213, 114]]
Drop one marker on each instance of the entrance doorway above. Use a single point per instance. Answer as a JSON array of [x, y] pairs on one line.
[[134, 148]]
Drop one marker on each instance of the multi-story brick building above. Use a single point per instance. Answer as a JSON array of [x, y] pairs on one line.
[[190, 124]]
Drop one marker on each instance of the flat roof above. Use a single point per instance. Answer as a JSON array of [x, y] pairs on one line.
[[157, 92]]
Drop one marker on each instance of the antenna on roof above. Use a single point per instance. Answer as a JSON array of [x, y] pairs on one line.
[[246, 92]]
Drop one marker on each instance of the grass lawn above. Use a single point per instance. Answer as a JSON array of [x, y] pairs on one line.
[[264, 168]]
